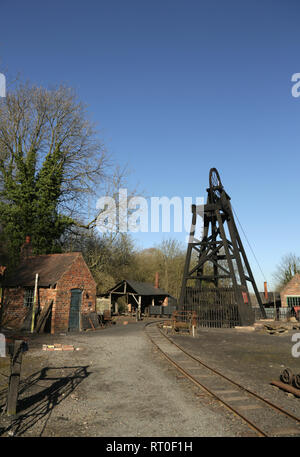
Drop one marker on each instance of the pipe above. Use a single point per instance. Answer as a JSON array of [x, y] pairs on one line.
[[266, 290]]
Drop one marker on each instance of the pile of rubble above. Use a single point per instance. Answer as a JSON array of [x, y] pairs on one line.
[[272, 327], [277, 327]]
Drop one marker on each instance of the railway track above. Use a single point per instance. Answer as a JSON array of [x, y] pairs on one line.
[[261, 415]]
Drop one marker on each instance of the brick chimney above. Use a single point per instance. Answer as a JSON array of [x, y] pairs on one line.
[[26, 249], [266, 290]]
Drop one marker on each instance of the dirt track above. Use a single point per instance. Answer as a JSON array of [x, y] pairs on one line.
[[116, 385]]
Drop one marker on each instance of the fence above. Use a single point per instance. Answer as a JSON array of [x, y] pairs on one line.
[[281, 314], [214, 307]]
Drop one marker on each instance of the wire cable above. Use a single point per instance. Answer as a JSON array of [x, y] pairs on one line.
[[249, 244]]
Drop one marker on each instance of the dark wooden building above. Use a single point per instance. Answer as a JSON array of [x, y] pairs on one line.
[[138, 295]]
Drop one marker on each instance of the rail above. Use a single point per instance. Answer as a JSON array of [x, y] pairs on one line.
[[240, 400]]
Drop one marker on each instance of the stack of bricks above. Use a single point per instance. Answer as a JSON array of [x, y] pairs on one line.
[[58, 347]]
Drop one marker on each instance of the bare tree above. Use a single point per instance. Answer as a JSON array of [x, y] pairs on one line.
[[287, 268], [39, 122], [51, 159]]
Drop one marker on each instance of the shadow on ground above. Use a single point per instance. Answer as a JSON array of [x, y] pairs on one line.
[[38, 406]]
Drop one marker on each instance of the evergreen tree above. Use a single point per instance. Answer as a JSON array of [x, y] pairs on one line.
[[49, 161]]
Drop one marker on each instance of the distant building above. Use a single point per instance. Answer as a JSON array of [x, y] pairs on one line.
[[138, 295], [269, 301], [290, 294]]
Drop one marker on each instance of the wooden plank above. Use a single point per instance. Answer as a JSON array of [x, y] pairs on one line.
[[43, 317], [41, 330], [14, 379], [285, 432], [226, 391], [248, 407], [236, 398], [85, 322], [90, 321], [94, 318]]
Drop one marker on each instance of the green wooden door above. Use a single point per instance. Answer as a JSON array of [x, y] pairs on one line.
[[75, 306]]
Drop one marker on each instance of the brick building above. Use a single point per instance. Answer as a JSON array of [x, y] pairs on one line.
[[65, 286], [290, 294]]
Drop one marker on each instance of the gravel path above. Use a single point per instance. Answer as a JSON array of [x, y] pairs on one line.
[[116, 385], [253, 359]]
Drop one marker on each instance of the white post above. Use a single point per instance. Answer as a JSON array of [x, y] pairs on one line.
[[34, 301], [139, 310]]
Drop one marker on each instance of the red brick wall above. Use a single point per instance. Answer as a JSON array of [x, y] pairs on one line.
[[292, 288], [16, 311], [78, 276]]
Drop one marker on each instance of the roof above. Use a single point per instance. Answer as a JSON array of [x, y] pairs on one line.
[[271, 296], [49, 267], [141, 288], [295, 278]]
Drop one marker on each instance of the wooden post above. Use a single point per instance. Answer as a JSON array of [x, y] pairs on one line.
[[14, 379], [139, 309], [194, 322], [34, 302]]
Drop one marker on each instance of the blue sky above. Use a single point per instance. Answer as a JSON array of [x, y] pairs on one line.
[[175, 88]]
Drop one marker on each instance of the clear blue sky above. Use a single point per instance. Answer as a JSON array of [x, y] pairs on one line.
[[177, 87]]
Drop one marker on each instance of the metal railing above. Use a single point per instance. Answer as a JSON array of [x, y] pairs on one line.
[[213, 307], [280, 314]]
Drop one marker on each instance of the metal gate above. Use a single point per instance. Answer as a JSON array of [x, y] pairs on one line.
[[213, 307], [75, 306]]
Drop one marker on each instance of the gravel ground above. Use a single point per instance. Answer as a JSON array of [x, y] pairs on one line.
[[116, 385], [253, 359]]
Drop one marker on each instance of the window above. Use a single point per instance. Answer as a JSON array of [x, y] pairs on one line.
[[293, 301], [28, 297]]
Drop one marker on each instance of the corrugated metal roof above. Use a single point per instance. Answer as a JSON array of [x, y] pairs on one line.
[[49, 267], [141, 288]]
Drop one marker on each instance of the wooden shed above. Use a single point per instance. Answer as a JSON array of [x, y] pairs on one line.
[[139, 295]]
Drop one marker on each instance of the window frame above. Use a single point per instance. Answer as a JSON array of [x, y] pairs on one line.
[[295, 302], [28, 297]]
